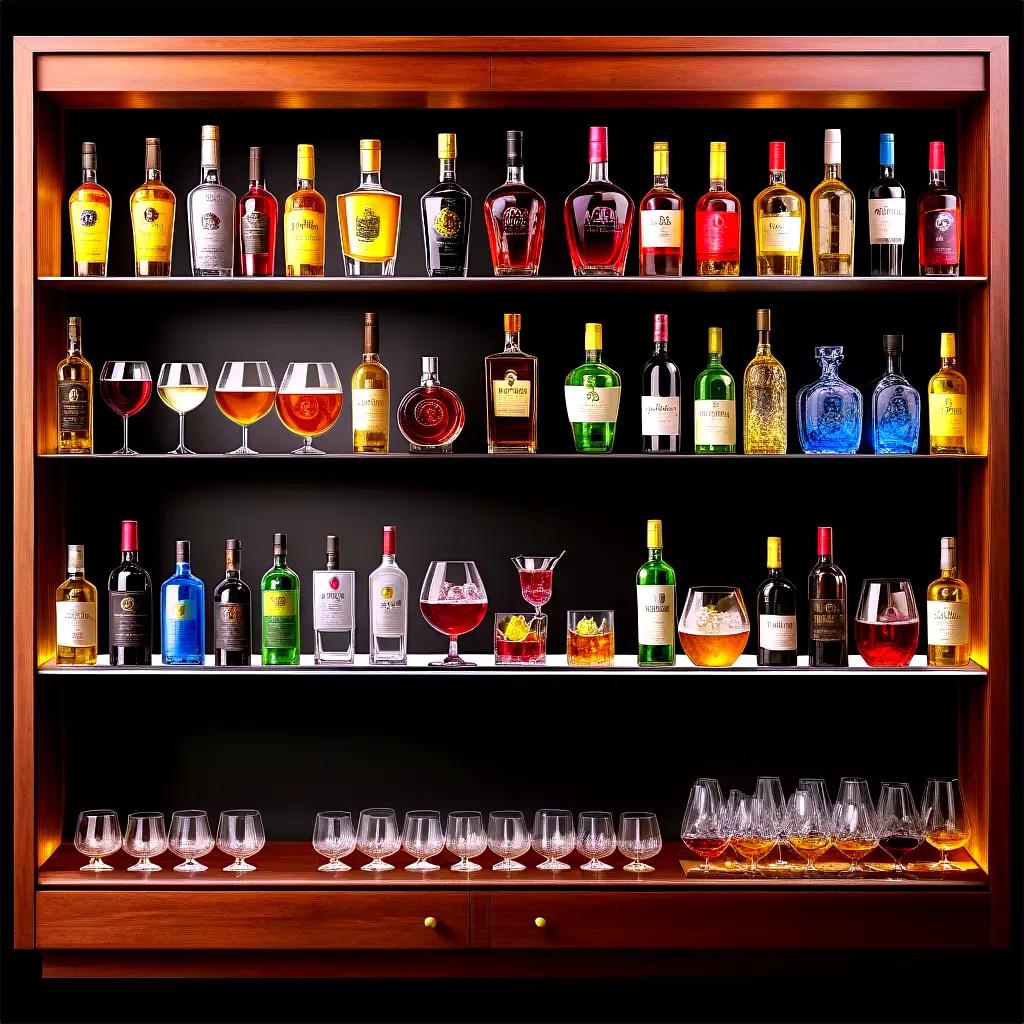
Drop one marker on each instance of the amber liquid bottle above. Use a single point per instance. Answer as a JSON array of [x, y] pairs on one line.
[[89, 210], [305, 213], [74, 396], [152, 208], [371, 395], [510, 382]]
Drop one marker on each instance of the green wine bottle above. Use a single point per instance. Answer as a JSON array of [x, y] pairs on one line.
[[714, 403], [280, 594], [592, 399], [655, 604]]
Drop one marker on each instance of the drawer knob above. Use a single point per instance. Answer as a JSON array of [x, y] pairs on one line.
[[540, 922], [430, 922]]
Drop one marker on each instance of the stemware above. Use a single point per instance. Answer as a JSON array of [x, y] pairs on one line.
[[704, 830], [553, 838], [854, 824], [536, 573], [595, 838], [97, 835], [240, 835], [807, 828], [245, 393], [729, 810], [946, 822], [453, 600], [769, 788], [715, 789], [182, 387], [334, 838], [422, 839], [508, 838], [639, 839], [145, 836], [126, 387], [754, 828], [377, 837], [818, 787], [190, 838], [466, 838], [714, 626], [309, 402], [900, 828], [886, 626]]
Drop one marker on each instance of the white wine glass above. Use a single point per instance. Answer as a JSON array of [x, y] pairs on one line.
[[245, 393], [240, 835], [639, 839], [466, 838], [507, 838], [334, 838], [377, 837], [190, 838], [553, 838], [97, 835], [422, 839], [309, 402], [145, 837], [182, 387], [595, 838]]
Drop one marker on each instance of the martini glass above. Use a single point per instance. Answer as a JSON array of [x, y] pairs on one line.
[[536, 574]]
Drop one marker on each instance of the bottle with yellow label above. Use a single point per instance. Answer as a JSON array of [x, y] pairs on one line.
[[779, 218], [152, 208], [280, 598], [305, 213], [947, 403], [89, 210], [369, 219], [371, 395]]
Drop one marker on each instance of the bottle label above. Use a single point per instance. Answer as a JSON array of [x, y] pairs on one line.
[[718, 235], [370, 408], [940, 234], [153, 228], [827, 618], [231, 626], [714, 421], [181, 619], [332, 600], [659, 417], [387, 604], [280, 619], [949, 623], [661, 229], [887, 221], [777, 632], [947, 415], [73, 407], [592, 404], [211, 220], [780, 235], [369, 226], [656, 614], [90, 231], [510, 395], [255, 233], [76, 623], [130, 618], [304, 238], [448, 227]]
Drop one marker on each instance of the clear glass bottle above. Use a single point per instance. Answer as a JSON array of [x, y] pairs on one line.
[[431, 416], [152, 209], [182, 613], [829, 412], [74, 396], [510, 394], [89, 212], [949, 613], [655, 604], [211, 214], [280, 601], [779, 217], [939, 220], [718, 223], [776, 613], [389, 607], [895, 405], [514, 217], [660, 400], [764, 396], [592, 393], [305, 213], [446, 211], [76, 613], [232, 611], [371, 395], [714, 403], [827, 632], [661, 223], [887, 214], [947, 403], [334, 621], [369, 220], [832, 215]]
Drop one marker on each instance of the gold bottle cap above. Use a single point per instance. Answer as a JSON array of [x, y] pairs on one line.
[[305, 167], [715, 340], [947, 345], [764, 319], [76, 558], [774, 552], [152, 154], [211, 131], [446, 146], [369, 155], [593, 336], [513, 323], [661, 159], [717, 160], [654, 533]]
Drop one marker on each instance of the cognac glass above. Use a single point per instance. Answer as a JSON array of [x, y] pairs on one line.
[[854, 824], [97, 835], [334, 838], [714, 626], [145, 836], [818, 787], [946, 822], [240, 835], [807, 827], [704, 830], [886, 627], [639, 839], [536, 574], [507, 838], [900, 828], [190, 838], [309, 402], [245, 393], [182, 387], [377, 837], [453, 600], [553, 838], [422, 839], [754, 827], [126, 387], [595, 838], [466, 838], [769, 789]]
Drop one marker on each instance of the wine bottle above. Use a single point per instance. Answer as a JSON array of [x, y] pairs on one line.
[[130, 597], [232, 612], [655, 604], [826, 598], [776, 613], [660, 406]]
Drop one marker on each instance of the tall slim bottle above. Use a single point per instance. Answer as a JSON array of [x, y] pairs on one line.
[[232, 612], [764, 396], [939, 220], [887, 214], [152, 209], [76, 613], [257, 222], [389, 607], [655, 604], [130, 604], [334, 617], [779, 217], [280, 600], [182, 613], [660, 400], [714, 403], [371, 395], [826, 608], [89, 212], [661, 223], [949, 613], [446, 211], [74, 396], [211, 214], [718, 223], [832, 215], [776, 613], [305, 213]]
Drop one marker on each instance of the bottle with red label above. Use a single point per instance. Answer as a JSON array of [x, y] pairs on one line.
[[661, 223], [718, 223], [939, 220]]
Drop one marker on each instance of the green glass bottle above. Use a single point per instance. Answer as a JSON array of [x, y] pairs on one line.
[[714, 403], [655, 604], [592, 399], [280, 594]]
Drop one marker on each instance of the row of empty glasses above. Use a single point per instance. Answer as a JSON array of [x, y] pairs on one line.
[[754, 824]]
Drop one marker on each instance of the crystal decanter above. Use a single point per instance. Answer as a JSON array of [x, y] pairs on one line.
[[829, 412]]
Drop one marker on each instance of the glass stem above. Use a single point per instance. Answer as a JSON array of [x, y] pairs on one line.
[[245, 435], [181, 431], [239, 861], [453, 648], [125, 418]]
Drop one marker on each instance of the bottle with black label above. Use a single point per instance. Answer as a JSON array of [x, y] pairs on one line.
[[74, 396], [826, 611], [776, 613], [232, 612], [130, 596]]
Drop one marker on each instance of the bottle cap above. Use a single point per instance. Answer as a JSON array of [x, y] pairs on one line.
[[429, 365], [887, 149], [776, 156], [182, 551], [88, 156], [513, 323], [369, 155], [654, 533], [717, 169], [232, 555], [661, 327], [152, 154], [280, 543], [764, 319], [210, 147], [75, 329], [947, 345], [936, 156], [824, 540], [446, 149], [598, 145], [305, 166], [129, 535], [774, 552], [389, 541], [211, 131], [255, 163], [514, 148], [947, 553], [333, 545], [76, 558], [715, 340], [370, 344], [593, 336], [833, 146], [892, 344], [660, 159]]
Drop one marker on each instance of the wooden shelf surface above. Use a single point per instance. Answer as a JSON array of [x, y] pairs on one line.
[[921, 457]]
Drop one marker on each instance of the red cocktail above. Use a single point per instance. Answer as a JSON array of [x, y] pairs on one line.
[[454, 618], [520, 639], [453, 601], [536, 577]]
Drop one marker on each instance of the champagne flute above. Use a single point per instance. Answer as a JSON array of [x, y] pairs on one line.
[[126, 387], [639, 839], [190, 838], [466, 838], [595, 838], [333, 838], [507, 838], [309, 401], [145, 836], [422, 839], [240, 835], [97, 835], [182, 387], [245, 393], [946, 822]]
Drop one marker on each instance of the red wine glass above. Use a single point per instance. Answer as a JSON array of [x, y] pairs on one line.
[[126, 386], [453, 600], [886, 627], [536, 577]]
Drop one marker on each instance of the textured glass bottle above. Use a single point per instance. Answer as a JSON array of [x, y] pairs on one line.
[[660, 397], [829, 412], [280, 602], [887, 214], [182, 613], [510, 394], [592, 393], [431, 416], [832, 215], [305, 214], [764, 396], [232, 611], [661, 223], [655, 604], [211, 214], [779, 216], [89, 212], [718, 223], [947, 403], [369, 219], [446, 210], [776, 613], [371, 395], [895, 405], [714, 403], [74, 396], [76, 613], [152, 209], [514, 217], [949, 613]]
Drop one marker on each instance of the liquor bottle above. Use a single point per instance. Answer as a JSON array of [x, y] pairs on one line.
[[832, 215], [510, 390], [829, 412], [718, 223], [232, 612], [661, 223], [182, 613], [89, 212], [389, 607], [592, 393], [764, 396], [446, 212], [947, 403], [305, 213], [887, 214], [895, 405], [778, 220], [660, 395], [371, 395], [431, 416], [598, 217], [826, 598], [655, 604], [334, 621], [776, 613], [369, 220], [257, 222], [280, 600], [939, 220], [949, 613], [714, 403], [74, 396], [211, 214], [76, 613], [152, 207], [130, 603], [514, 216]]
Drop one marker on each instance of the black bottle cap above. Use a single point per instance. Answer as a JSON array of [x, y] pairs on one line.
[[181, 551], [280, 543], [892, 344], [514, 148]]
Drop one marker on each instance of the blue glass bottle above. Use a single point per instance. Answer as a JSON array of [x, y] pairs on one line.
[[895, 406], [182, 613], [829, 412]]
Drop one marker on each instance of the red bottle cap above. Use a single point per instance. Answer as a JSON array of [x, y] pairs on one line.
[[389, 540], [776, 156], [598, 145], [936, 156], [824, 540], [129, 535], [661, 326]]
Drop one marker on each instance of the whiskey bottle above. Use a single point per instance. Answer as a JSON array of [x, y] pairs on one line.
[[334, 623], [152, 207], [389, 607], [369, 219], [592, 393], [130, 597], [832, 215], [280, 601], [776, 613], [826, 599], [947, 403], [714, 403], [446, 212], [232, 612], [89, 211], [74, 396], [661, 223], [660, 398], [371, 395], [656, 604], [211, 214], [510, 387], [76, 613], [764, 396], [304, 214], [182, 613], [718, 223], [949, 613], [779, 215]]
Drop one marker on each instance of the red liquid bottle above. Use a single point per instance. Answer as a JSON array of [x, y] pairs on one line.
[[257, 222], [661, 223], [939, 220], [431, 416], [514, 215]]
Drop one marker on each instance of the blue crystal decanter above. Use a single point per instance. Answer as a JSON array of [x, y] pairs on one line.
[[895, 405], [829, 412]]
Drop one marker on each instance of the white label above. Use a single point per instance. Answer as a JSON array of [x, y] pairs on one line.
[[887, 221], [949, 623], [332, 599], [388, 609], [714, 421], [656, 615], [76, 623], [661, 229], [659, 416], [592, 405], [370, 409], [777, 632]]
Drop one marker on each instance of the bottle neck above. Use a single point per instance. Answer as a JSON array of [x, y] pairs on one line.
[[231, 573], [774, 570], [895, 363], [660, 348], [593, 355], [777, 176], [512, 341], [764, 345], [714, 359], [153, 174], [447, 170], [599, 170], [429, 379], [260, 183], [825, 557], [937, 176], [131, 557], [76, 573], [387, 559], [371, 357], [211, 174], [515, 175], [661, 181], [182, 569], [948, 574], [886, 172], [74, 347], [949, 362], [369, 179], [654, 554], [332, 562], [280, 560], [88, 175], [829, 368], [717, 185], [833, 171], [305, 185]]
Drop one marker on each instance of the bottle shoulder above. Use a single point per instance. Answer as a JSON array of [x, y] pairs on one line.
[[887, 188], [948, 588], [232, 586], [89, 192], [604, 375], [305, 199], [212, 189], [129, 572], [778, 199], [280, 577], [828, 187], [149, 191], [658, 573], [182, 581], [773, 585], [949, 381], [445, 189], [718, 202]]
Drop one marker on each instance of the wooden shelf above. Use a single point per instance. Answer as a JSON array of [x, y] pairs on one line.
[[921, 457]]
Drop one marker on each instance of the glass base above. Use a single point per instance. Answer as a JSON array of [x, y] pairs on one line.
[[355, 267], [377, 865], [181, 450], [638, 866], [334, 865], [947, 865], [551, 864], [502, 865], [244, 450], [240, 866], [125, 451], [307, 449], [452, 662], [596, 865], [145, 864], [190, 865], [422, 865], [466, 865], [95, 864]]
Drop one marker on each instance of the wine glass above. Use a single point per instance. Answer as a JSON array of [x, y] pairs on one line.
[[422, 839], [536, 574], [854, 824], [245, 393], [639, 839], [377, 837], [145, 836], [715, 788], [946, 822], [97, 835], [714, 626], [595, 838], [704, 830], [240, 834], [553, 838], [466, 838], [818, 787], [769, 788], [309, 401], [755, 829], [333, 838], [190, 838], [182, 387], [887, 625], [729, 810], [807, 826], [900, 828], [508, 838], [126, 387], [453, 601]]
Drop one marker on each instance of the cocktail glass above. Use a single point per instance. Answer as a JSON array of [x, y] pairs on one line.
[[536, 574], [520, 638], [590, 639]]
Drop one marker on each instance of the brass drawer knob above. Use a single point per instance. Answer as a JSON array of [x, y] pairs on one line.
[[430, 922], [540, 922]]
